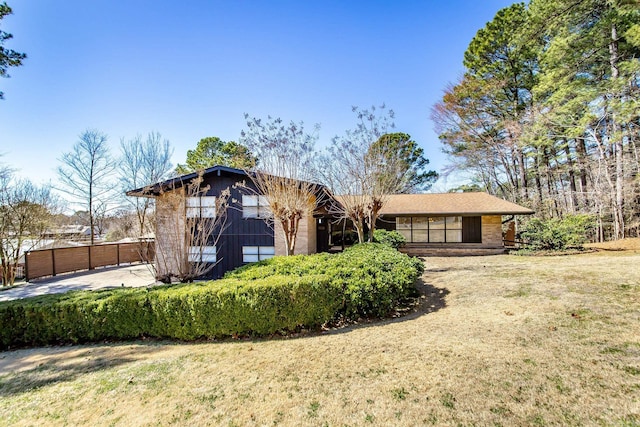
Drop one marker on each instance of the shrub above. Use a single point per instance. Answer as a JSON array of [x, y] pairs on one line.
[[372, 276], [389, 238], [212, 309], [280, 294], [558, 233]]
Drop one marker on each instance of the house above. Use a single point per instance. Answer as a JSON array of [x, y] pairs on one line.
[[74, 232], [451, 221], [246, 236]]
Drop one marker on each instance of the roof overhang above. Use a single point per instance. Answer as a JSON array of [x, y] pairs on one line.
[[451, 204], [154, 190]]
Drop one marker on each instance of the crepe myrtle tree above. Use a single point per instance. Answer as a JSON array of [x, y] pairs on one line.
[[359, 170], [285, 172]]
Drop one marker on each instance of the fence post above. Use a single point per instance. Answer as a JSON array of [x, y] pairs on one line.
[[89, 256], [118, 253], [53, 262], [26, 266]]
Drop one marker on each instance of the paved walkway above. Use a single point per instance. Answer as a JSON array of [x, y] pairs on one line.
[[112, 277]]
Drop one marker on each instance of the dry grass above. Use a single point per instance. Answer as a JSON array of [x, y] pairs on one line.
[[501, 340], [628, 244]]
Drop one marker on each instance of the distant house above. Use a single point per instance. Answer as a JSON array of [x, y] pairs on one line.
[[451, 221], [74, 232]]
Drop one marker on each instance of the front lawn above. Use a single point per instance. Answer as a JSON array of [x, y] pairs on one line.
[[499, 340]]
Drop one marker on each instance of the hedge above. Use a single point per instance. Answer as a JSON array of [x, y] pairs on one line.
[[372, 276], [280, 294], [389, 238]]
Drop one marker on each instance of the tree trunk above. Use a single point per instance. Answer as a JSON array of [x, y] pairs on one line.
[[359, 225], [572, 178], [537, 177], [581, 160], [618, 147], [523, 175]]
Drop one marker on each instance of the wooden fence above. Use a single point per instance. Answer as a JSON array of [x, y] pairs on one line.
[[50, 262]]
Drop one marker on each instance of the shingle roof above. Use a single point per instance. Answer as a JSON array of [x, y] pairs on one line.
[[451, 204]]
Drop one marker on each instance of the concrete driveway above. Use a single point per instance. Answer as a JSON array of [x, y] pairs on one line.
[[111, 277]]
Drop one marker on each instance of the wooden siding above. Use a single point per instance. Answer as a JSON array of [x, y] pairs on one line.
[[238, 231]]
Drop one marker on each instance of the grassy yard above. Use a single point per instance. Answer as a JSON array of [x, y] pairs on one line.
[[501, 340]]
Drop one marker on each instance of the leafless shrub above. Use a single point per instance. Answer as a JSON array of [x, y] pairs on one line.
[[191, 224]]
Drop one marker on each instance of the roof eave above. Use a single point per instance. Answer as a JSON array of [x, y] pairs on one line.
[[484, 213], [154, 190]]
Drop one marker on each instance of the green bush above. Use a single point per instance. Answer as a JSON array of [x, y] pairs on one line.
[[389, 238], [372, 276], [557, 234], [280, 294]]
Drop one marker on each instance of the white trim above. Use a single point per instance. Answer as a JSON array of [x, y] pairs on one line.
[[257, 253], [202, 254], [201, 207]]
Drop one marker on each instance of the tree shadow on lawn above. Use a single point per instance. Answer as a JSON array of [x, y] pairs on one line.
[[429, 300], [24, 370], [30, 369]]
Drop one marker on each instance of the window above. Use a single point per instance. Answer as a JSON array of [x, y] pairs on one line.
[[255, 207], [422, 229], [419, 227], [454, 229], [403, 226], [257, 253], [201, 207], [436, 229], [202, 254]]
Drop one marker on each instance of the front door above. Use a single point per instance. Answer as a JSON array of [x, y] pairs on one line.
[[471, 229], [322, 235]]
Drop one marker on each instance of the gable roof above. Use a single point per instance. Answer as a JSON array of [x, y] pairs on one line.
[[451, 204], [153, 190]]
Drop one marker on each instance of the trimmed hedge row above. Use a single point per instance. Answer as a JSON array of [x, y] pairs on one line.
[[275, 295]]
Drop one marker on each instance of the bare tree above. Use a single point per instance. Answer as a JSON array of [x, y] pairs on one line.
[[360, 171], [86, 173], [143, 162], [192, 224], [25, 213], [284, 172]]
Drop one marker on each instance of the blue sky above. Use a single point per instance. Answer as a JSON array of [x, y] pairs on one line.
[[192, 69]]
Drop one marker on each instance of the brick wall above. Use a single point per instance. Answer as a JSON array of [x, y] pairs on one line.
[[305, 239], [170, 231], [492, 231]]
